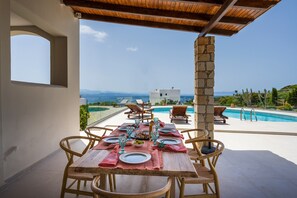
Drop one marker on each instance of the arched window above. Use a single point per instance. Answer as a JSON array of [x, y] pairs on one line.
[[38, 57], [30, 59]]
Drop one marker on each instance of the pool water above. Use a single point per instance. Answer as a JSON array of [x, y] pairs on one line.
[[95, 109], [235, 113]]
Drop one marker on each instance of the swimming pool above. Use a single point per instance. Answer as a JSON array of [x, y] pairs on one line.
[[235, 113], [95, 109]]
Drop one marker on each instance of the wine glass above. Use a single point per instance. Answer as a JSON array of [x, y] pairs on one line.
[[137, 122], [122, 143], [129, 132]]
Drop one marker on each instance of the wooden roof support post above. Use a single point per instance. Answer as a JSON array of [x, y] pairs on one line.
[[217, 17]]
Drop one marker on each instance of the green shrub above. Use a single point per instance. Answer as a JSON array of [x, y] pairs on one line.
[[292, 97], [286, 107], [84, 115], [189, 102], [227, 100]]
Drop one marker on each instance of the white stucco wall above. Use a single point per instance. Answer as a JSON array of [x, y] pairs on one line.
[[4, 60], [158, 95], [35, 117]]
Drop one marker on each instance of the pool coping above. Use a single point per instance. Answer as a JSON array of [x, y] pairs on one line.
[[278, 112]]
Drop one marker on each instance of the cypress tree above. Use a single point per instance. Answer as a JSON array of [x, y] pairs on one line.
[[274, 96]]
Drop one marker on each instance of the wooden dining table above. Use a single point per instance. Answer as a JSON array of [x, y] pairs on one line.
[[175, 164]]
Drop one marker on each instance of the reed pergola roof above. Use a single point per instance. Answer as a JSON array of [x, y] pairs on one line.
[[220, 17]]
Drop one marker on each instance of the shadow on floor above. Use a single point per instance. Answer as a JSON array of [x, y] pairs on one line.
[[248, 173]]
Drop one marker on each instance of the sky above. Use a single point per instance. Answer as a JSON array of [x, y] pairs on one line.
[[123, 58]]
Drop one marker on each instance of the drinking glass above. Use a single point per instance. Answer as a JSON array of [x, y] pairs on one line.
[[122, 143], [137, 122], [129, 132], [157, 123], [155, 135]]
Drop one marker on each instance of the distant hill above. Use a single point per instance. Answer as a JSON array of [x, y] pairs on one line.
[[288, 88], [110, 93]]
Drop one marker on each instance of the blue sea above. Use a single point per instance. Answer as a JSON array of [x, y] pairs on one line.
[[93, 97]]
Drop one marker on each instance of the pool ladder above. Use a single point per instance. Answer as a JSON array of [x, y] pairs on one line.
[[242, 112], [252, 113]]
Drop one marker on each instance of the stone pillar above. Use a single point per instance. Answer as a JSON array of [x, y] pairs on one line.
[[204, 83]]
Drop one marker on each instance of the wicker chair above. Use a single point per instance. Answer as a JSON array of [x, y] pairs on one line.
[[97, 132], [192, 135], [206, 174], [71, 153], [107, 194]]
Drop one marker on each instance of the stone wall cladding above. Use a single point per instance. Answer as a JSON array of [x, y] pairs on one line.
[[204, 83]]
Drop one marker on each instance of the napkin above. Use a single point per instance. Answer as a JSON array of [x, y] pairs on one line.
[[176, 148], [110, 160], [157, 160], [175, 134], [111, 146]]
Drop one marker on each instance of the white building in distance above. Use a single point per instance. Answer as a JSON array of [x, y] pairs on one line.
[[159, 95]]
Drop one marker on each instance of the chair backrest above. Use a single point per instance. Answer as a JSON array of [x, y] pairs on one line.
[[179, 110], [139, 101], [97, 132], [152, 194], [196, 133], [124, 101], [212, 157], [218, 110], [67, 145], [135, 108]]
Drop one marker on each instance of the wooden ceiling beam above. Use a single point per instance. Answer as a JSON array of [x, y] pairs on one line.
[[246, 4], [217, 17], [155, 12], [172, 26]]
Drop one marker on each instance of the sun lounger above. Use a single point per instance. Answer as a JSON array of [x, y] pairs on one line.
[[179, 112], [218, 114], [138, 111], [123, 102], [143, 104]]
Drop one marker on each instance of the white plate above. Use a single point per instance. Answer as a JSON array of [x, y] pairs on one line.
[[167, 130], [135, 157], [169, 141], [111, 140], [123, 128]]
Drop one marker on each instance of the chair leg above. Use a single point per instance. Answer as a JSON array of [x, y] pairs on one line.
[[182, 188], [217, 188], [110, 182], [205, 188], [168, 194], [78, 187], [64, 183], [114, 182]]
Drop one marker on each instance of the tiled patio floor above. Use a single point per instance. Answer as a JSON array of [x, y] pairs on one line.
[[252, 165]]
